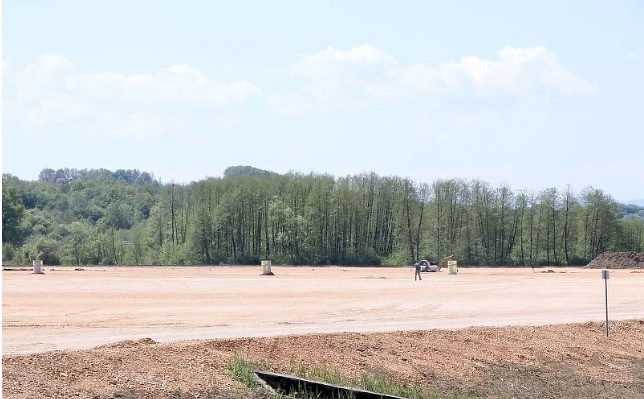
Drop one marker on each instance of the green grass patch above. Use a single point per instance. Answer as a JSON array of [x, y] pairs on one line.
[[243, 370]]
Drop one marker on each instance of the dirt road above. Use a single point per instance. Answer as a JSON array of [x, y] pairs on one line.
[[350, 321], [69, 309]]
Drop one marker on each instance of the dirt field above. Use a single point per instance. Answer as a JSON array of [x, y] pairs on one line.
[[391, 325]]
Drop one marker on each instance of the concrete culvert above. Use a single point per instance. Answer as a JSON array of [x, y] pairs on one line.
[[299, 387]]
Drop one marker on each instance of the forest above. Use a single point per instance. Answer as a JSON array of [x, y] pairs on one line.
[[127, 217]]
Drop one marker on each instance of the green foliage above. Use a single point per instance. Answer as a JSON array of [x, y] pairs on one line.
[[391, 387], [41, 248], [125, 217], [12, 211], [399, 258], [8, 253], [247, 171], [244, 371], [66, 175]]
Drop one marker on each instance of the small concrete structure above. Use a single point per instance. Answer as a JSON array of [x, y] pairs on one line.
[[38, 267], [266, 268], [452, 266]]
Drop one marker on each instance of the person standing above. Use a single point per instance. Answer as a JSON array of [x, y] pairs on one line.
[[417, 272]]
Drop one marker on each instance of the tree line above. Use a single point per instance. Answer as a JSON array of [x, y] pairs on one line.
[[127, 217]]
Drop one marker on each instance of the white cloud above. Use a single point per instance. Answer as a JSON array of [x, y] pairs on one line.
[[567, 82], [331, 60], [365, 74], [180, 84], [419, 77], [45, 67], [50, 91], [42, 76], [53, 110], [517, 71], [336, 79]]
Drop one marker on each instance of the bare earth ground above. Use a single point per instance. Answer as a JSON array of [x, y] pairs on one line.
[[171, 332]]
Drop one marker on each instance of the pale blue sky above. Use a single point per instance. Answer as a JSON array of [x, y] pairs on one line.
[[533, 95]]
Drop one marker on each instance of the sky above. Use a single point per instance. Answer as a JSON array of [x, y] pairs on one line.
[[531, 95]]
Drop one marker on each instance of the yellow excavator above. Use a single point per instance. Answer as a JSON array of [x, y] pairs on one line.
[[443, 262]]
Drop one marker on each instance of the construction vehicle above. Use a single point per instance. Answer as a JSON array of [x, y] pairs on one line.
[[429, 266], [450, 262], [443, 262]]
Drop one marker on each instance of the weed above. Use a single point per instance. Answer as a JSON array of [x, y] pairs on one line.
[[243, 371]]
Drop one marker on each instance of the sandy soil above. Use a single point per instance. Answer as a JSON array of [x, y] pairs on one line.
[[70, 311]]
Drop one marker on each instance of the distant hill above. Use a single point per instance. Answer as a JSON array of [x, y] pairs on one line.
[[630, 211], [638, 202], [237, 171]]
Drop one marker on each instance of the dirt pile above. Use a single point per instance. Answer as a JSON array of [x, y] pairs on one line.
[[555, 361], [617, 260]]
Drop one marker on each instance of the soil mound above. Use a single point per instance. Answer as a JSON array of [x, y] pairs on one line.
[[529, 362], [617, 260]]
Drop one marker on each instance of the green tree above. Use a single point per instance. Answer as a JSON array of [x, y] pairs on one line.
[[599, 222], [126, 217], [569, 233], [12, 211]]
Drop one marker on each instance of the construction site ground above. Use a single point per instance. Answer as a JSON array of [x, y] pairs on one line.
[[171, 332]]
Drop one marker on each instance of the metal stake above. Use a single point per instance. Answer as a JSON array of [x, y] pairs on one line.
[[606, 277]]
